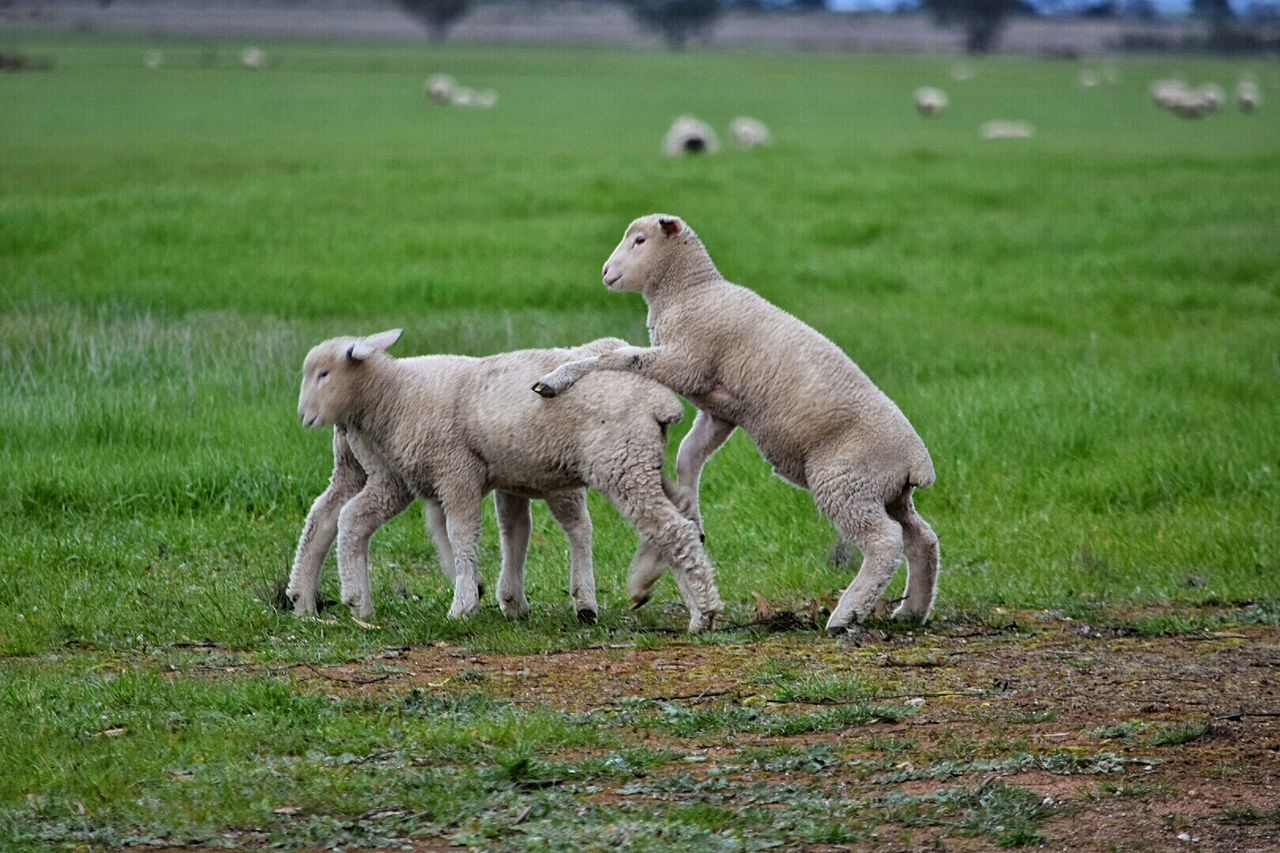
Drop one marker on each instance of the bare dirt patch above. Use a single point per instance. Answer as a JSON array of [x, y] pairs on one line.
[[1137, 741]]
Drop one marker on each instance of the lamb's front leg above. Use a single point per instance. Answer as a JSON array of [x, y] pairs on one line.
[[661, 364], [321, 526]]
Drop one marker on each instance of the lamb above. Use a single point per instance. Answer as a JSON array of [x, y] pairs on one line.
[[253, 58], [814, 415], [1247, 95], [930, 101], [153, 59], [440, 88], [1212, 95], [688, 135], [749, 132], [449, 429], [1000, 129]]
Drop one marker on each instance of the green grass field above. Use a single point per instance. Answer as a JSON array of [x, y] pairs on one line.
[[1082, 327]]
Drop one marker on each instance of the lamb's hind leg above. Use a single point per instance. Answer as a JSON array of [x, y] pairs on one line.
[[704, 439], [879, 537], [514, 526], [921, 546], [638, 494], [570, 510]]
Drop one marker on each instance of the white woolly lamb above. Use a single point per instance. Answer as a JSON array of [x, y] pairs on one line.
[[1212, 95], [440, 88], [450, 429], [1248, 96], [814, 415], [930, 101], [253, 58], [1000, 129], [688, 135], [749, 132]]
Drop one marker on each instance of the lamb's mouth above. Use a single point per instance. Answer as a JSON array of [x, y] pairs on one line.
[[610, 282]]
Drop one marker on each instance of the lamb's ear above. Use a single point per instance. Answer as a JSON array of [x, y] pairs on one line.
[[670, 227], [380, 342]]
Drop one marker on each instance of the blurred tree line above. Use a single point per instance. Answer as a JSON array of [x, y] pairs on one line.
[[981, 21]]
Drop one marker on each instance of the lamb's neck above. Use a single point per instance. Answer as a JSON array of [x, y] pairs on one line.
[[686, 272], [375, 414]]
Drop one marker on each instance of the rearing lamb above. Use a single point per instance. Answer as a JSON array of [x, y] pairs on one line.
[[450, 429], [813, 413]]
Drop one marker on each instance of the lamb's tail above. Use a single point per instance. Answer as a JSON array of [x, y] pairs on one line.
[[920, 473]]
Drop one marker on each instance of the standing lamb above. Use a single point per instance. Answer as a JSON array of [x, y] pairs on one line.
[[688, 135], [450, 429], [813, 413], [930, 101], [749, 132]]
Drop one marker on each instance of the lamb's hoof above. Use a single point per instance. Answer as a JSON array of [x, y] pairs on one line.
[[902, 614], [514, 608], [640, 601], [836, 630], [586, 616], [544, 390]]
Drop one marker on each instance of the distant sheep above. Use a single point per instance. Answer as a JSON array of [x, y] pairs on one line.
[[1007, 130], [253, 58], [1088, 78], [450, 429], [930, 101], [813, 414], [1248, 96], [962, 72], [749, 132], [688, 135], [1166, 92], [1212, 95], [153, 59], [440, 88]]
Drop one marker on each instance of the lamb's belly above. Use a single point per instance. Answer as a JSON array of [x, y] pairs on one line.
[[532, 484], [787, 461]]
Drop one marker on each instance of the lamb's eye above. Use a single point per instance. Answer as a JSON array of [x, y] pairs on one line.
[[322, 374], [639, 239]]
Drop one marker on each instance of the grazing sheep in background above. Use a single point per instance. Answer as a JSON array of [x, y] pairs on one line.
[[688, 135], [749, 132], [440, 88], [463, 97], [1007, 130], [814, 415], [486, 99], [450, 429], [1088, 78], [1248, 96], [962, 71], [1212, 95], [1166, 92], [153, 59], [930, 101], [1190, 104], [253, 59]]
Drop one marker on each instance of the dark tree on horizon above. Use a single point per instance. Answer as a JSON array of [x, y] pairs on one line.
[[676, 20], [437, 15], [982, 20]]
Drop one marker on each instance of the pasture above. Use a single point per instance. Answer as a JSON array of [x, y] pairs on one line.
[[1082, 326]]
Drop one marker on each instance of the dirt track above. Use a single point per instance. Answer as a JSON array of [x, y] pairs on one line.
[[1144, 742]]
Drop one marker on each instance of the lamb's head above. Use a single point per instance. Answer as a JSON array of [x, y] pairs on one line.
[[333, 373], [650, 247]]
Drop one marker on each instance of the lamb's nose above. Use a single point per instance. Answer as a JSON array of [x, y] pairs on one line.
[[604, 273]]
